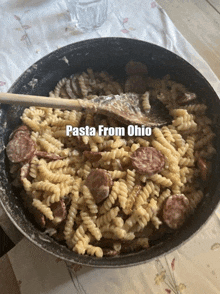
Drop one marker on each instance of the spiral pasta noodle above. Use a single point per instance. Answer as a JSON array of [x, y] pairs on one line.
[[107, 217], [68, 230], [43, 208], [90, 224], [93, 250], [109, 202], [130, 179], [89, 200]]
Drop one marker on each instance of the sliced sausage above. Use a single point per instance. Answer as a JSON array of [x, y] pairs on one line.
[[59, 210], [47, 155], [23, 129], [110, 252], [99, 182], [147, 160], [175, 210], [39, 218], [81, 145], [93, 156], [20, 148]]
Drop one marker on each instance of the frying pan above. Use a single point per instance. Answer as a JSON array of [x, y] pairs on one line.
[[111, 55]]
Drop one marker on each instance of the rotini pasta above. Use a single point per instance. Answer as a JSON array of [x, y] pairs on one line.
[[87, 220], [109, 202], [68, 230], [89, 200], [43, 208]]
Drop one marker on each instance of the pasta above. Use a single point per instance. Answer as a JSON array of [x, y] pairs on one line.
[[145, 193], [122, 194], [130, 180], [46, 186], [107, 217], [87, 220], [68, 230], [52, 177], [89, 200], [92, 250], [107, 205], [43, 208], [57, 184]]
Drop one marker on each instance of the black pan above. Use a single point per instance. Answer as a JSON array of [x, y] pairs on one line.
[[111, 55]]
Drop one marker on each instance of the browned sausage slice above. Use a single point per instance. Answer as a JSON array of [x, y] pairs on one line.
[[99, 182], [39, 218], [20, 148], [81, 145], [59, 210], [23, 129], [147, 160], [47, 155], [110, 252], [175, 210], [93, 156]]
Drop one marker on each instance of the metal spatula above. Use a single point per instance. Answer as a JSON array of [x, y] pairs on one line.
[[126, 108]]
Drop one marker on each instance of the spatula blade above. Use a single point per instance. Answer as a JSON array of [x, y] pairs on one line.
[[127, 108]]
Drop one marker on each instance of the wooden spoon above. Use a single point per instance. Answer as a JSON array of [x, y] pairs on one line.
[[126, 108]]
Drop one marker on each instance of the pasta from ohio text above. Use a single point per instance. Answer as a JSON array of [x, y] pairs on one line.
[[131, 130]]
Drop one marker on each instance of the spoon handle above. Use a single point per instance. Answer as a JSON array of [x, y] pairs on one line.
[[29, 100]]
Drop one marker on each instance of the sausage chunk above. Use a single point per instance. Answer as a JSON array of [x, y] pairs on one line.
[[99, 182], [147, 160], [175, 210], [20, 148]]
